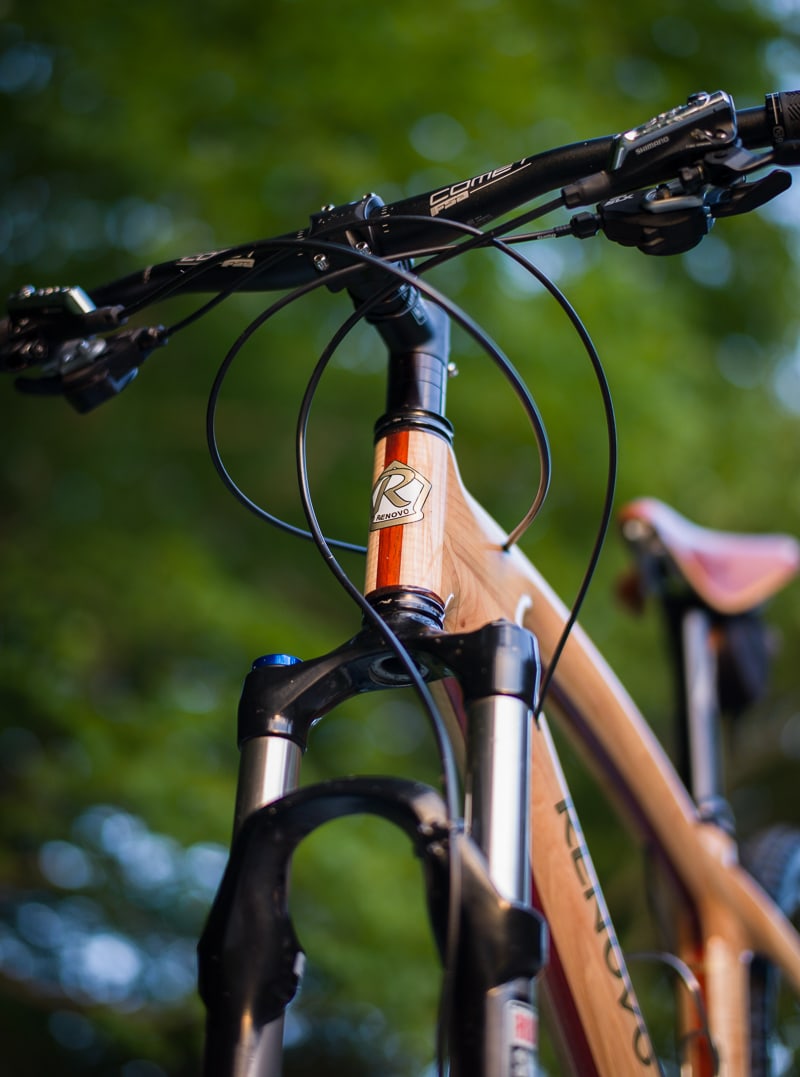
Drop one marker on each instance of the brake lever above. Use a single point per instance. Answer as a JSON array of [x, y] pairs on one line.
[[671, 219], [89, 372], [744, 197], [42, 320]]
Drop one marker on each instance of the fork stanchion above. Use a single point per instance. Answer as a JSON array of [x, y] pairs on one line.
[[500, 685], [269, 765]]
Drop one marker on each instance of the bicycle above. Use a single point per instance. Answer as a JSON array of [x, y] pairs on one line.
[[452, 608]]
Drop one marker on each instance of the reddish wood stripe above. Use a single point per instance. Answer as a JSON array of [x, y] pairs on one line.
[[390, 540]]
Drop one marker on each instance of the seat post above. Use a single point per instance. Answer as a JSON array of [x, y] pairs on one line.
[[702, 715]]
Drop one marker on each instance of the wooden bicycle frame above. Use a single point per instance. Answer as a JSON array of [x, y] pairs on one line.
[[455, 551]]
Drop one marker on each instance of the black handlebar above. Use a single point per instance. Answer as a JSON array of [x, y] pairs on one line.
[[476, 201], [706, 141]]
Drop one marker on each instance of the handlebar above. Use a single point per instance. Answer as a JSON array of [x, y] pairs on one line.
[[585, 172], [703, 143]]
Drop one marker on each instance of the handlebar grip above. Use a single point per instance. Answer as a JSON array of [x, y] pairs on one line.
[[773, 124], [783, 110]]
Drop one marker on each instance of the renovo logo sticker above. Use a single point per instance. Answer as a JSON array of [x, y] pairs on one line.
[[398, 496]]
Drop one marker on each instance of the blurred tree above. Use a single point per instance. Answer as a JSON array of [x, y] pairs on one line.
[[134, 592]]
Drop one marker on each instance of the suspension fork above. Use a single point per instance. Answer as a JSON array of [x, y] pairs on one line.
[[250, 959]]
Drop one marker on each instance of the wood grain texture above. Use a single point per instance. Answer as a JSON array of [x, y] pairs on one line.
[[457, 553]]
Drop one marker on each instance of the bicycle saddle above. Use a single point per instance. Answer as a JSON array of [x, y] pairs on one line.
[[731, 573]]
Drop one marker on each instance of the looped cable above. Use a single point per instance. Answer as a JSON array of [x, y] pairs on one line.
[[692, 985]]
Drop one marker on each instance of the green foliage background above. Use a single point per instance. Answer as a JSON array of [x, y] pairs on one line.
[[134, 592]]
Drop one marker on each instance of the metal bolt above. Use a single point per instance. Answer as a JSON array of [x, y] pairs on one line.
[[321, 263]]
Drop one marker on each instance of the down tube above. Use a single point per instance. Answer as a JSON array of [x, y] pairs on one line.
[[595, 1018], [483, 580]]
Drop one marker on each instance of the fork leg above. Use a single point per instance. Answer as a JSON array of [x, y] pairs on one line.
[[269, 768], [498, 820], [499, 714], [499, 788]]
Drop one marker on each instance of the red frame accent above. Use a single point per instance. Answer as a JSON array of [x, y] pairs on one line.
[[390, 540]]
